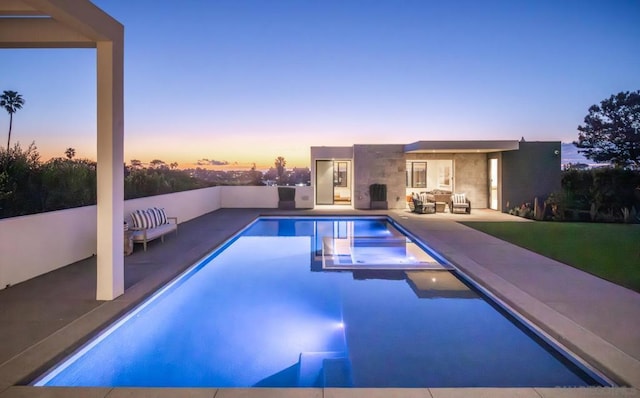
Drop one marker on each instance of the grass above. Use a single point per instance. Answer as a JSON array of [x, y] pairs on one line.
[[610, 251]]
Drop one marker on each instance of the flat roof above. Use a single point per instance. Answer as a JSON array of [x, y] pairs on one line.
[[461, 146]]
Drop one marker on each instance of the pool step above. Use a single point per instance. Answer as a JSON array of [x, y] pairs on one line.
[[324, 369], [337, 372]]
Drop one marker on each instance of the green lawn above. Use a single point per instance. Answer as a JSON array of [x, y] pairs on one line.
[[611, 251]]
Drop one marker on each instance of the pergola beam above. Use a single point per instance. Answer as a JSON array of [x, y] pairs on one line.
[[40, 33], [83, 17]]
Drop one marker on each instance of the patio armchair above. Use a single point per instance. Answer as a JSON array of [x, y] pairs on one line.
[[421, 204], [460, 204]]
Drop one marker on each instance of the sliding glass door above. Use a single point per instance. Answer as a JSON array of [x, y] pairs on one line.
[[333, 182], [324, 182]]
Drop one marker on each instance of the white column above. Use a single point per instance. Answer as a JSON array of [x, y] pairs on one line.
[[110, 261]]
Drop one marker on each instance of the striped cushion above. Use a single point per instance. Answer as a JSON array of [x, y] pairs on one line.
[[163, 215], [142, 219], [459, 198], [159, 216]]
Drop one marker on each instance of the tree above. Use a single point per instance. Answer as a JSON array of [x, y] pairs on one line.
[[11, 101], [611, 131], [280, 163], [70, 153], [136, 164], [158, 164], [20, 191], [173, 165], [68, 183]]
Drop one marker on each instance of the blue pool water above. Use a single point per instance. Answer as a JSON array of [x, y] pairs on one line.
[[268, 310]]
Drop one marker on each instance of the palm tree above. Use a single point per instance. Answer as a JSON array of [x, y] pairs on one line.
[[280, 163], [70, 153], [11, 101]]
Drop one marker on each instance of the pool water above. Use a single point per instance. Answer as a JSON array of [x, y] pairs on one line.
[[272, 309]]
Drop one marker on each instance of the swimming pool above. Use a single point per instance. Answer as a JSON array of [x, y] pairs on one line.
[[312, 302]]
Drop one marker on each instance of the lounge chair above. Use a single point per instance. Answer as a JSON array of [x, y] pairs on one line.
[[460, 204]]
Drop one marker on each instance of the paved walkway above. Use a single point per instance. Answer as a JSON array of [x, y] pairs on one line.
[[44, 318]]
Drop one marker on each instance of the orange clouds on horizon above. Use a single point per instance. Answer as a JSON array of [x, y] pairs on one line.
[[185, 162]]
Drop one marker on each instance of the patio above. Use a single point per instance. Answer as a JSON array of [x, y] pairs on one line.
[[48, 316]]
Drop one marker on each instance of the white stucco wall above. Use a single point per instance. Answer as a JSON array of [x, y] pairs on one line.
[[36, 244], [185, 205]]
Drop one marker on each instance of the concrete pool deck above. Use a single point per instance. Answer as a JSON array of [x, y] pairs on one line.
[[46, 317]]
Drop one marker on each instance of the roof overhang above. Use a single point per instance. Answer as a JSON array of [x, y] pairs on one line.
[[461, 146]]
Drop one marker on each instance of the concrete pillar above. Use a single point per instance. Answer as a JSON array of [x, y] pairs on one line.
[[110, 173]]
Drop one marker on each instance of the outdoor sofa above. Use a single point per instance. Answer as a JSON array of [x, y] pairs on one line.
[[151, 224]]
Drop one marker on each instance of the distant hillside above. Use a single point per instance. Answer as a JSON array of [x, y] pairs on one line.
[[570, 155]]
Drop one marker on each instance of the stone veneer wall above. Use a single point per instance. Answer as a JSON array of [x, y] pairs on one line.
[[471, 177], [470, 174], [379, 164]]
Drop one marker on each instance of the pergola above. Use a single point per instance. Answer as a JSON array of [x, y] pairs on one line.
[[80, 24]]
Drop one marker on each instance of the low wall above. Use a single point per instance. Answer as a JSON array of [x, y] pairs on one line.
[[262, 197], [38, 243], [185, 205]]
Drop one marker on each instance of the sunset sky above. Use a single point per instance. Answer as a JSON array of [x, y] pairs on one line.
[[247, 81]]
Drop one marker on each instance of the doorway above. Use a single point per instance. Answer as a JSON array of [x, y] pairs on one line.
[[493, 184], [333, 182]]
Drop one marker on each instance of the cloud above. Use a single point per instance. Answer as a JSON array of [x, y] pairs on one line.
[[207, 162]]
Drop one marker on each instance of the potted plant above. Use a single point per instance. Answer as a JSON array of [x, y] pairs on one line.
[[286, 198], [378, 196]]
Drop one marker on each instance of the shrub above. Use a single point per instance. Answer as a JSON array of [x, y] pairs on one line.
[[602, 194], [524, 210]]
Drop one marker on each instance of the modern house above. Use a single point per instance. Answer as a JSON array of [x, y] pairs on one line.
[[497, 175]]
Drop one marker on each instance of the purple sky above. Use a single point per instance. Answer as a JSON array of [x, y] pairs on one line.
[[247, 81]]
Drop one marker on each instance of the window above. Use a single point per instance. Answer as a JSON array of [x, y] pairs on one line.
[[416, 174], [340, 174], [444, 177]]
